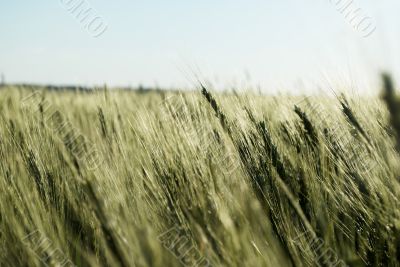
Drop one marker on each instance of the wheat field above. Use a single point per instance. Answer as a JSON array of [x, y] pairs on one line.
[[129, 178]]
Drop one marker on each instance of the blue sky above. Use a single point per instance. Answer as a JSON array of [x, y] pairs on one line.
[[249, 43]]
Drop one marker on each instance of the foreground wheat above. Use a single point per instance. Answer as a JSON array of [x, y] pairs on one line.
[[112, 178]]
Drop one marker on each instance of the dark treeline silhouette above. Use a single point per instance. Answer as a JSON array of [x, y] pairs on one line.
[[88, 89]]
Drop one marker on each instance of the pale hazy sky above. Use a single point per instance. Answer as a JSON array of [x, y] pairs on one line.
[[274, 44]]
